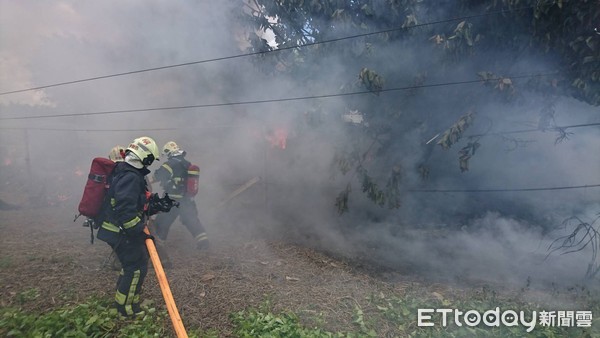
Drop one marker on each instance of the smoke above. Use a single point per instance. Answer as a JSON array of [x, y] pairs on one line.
[[290, 146]]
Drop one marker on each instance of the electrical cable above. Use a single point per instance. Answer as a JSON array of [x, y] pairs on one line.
[[265, 52], [226, 126], [88, 130], [506, 190], [522, 131], [298, 98]]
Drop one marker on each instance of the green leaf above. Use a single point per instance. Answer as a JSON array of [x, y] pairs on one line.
[[92, 320]]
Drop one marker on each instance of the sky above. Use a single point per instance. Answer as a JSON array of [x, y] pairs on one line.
[[43, 43]]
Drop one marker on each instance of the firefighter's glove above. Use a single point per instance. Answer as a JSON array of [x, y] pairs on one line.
[[157, 204], [166, 203], [154, 205], [148, 236], [171, 202]]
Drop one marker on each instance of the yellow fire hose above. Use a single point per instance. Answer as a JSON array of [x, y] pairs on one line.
[[164, 287]]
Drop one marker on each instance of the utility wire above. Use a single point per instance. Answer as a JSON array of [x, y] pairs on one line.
[[297, 98], [506, 190], [523, 131], [87, 130], [268, 51], [115, 130], [227, 126], [576, 126]]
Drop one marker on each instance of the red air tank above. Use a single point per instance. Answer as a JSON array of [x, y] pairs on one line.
[[193, 173]]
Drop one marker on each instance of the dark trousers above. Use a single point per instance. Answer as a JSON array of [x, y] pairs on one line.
[[188, 215], [133, 255]]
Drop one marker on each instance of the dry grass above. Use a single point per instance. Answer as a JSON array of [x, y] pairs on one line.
[[42, 249]]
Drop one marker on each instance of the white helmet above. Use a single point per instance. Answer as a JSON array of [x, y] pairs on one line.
[[117, 154], [171, 149], [145, 149]]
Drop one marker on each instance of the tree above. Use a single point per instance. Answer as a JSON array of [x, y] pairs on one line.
[[413, 82]]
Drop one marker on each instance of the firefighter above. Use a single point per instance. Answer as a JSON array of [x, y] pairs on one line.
[[117, 154], [172, 178], [122, 222]]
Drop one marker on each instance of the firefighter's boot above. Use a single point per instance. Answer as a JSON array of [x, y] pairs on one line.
[[202, 241]]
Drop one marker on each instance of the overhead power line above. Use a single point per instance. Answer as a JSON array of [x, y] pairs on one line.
[[552, 128], [116, 130], [506, 190], [87, 129], [229, 126], [297, 98], [266, 52]]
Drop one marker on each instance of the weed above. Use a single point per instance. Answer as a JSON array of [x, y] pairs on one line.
[[94, 318], [28, 295], [6, 262], [254, 323]]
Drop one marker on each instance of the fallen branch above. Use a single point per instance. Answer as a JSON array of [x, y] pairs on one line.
[[584, 235], [238, 191]]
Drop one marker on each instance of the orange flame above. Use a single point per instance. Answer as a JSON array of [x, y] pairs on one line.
[[278, 138], [62, 198]]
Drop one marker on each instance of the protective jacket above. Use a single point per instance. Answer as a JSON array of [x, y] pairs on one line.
[[172, 175], [123, 212]]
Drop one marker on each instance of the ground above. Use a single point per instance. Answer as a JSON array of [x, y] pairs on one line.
[[43, 249]]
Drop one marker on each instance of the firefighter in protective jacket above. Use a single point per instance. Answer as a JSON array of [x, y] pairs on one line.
[[123, 221], [172, 177]]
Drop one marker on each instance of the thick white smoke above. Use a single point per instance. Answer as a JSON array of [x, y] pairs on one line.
[[45, 43]]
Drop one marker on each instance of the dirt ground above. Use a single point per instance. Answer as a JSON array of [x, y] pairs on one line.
[[43, 248]]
